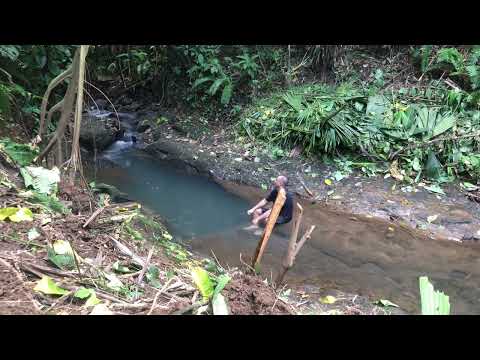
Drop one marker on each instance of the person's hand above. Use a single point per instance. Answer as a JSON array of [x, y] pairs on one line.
[[250, 212]]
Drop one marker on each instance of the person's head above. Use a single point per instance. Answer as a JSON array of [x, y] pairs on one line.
[[280, 181]]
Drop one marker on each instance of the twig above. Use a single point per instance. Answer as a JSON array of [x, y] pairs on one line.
[[305, 187], [157, 295], [247, 265], [144, 269], [126, 251], [190, 307], [93, 217], [47, 269]]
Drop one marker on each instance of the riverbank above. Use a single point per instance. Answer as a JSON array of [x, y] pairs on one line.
[[215, 152]]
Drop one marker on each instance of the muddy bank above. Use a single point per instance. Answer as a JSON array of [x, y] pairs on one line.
[[215, 154]]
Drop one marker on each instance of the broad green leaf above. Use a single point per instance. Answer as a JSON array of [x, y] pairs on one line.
[[23, 214], [416, 164], [22, 154], [40, 179], [65, 261], [445, 123], [7, 212], [216, 84], [92, 300], [201, 81], [203, 282], [432, 302], [47, 286], [219, 305], [433, 167], [385, 302], [222, 281], [226, 94], [82, 293]]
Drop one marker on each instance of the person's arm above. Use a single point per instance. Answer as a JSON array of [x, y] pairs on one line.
[[262, 203]]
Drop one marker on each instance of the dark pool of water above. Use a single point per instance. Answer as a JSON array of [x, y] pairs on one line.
[[192, 205]]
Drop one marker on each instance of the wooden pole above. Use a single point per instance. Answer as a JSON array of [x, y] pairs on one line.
[[292, 254], [272, 219], [288, 259]]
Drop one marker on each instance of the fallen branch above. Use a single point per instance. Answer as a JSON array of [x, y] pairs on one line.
[[144, 269], [292, 254], [309, 192], [127, 252], [94, 216]]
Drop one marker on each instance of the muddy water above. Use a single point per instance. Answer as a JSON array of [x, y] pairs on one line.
[[349, 253]]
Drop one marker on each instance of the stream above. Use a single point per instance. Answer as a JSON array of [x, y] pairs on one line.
[[358, 255]]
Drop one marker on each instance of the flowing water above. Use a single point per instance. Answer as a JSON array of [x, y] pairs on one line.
[[352, 254]]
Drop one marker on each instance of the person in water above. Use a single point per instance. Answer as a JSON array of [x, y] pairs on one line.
[[260, 214]]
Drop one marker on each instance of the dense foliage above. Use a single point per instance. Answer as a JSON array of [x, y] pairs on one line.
[[336, 100]]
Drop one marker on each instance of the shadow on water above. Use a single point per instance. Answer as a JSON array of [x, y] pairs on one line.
[[352, 254]]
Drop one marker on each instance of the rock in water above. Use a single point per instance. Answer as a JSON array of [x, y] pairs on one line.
[[97, 133]]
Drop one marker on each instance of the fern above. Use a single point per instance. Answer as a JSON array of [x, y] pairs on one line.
[[451, 56], [472, 68]]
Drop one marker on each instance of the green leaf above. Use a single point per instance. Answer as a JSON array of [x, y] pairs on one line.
[[47, 286], [385, 302], [23, 214], [7, 212], [416, 164], [198, 82], [433, 168], [153, 276], [435, 189], [222, 281], [219, 305], [120, 268], [432, 302], [226, 94], [61, 261], [216, 84], [22, 154], [92, 300], [203, 282], [82, 293], [40, 179], [445, 123]]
